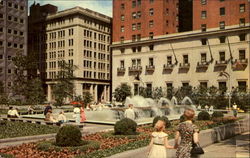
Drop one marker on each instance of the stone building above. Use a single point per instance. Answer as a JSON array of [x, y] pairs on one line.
[[13, 38]]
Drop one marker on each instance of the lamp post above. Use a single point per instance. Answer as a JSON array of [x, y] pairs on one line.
[[223, 73]]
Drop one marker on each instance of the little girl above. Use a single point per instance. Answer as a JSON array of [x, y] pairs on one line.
[[159, 142]]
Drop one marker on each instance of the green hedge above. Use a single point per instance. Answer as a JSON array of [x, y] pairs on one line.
[[125, 126], [3, 155], [111, 134], [17, 129], [50, 146]]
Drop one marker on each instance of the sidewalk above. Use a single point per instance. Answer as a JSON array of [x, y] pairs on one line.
[[236, 147]]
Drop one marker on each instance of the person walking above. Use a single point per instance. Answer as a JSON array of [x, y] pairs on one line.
[[188, 132], [235, 110], [130, 113], [76, 114], [159, 142], [83, 116]]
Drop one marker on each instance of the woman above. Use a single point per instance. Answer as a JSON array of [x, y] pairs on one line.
[[83, 116], [49, 116], [188, 133], [61, 117], [76, 115], [159, 142]]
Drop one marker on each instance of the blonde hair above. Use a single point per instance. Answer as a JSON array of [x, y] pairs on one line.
[[160, 125], [189, 114]]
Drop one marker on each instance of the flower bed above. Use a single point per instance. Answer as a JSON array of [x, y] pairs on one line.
[[17, 129], [110, 144]]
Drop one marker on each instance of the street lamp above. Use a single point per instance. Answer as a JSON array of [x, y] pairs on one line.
[[223, 73]]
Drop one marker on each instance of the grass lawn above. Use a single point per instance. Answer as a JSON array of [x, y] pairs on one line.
[[17, 129]]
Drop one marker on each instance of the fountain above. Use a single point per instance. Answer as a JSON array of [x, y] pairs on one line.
[[145, 108]]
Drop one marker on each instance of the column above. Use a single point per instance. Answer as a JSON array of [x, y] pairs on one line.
[[105, 93], [108, 93], [91, 90], [78, 89], [95, 96], [49, 95]]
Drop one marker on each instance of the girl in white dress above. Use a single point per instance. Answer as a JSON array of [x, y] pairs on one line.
[[159, 142]]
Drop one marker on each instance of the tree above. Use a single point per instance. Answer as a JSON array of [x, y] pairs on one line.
[[157, 93], [35, 93], [121, 92], [64, 86], [87, 98], [145, 92]]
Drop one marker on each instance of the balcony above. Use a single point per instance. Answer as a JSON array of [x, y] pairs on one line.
[[135, 69], [168, 67], [239, 64], [121, 69], [222, 63], [203, 64], [184, 65], [150, 68]]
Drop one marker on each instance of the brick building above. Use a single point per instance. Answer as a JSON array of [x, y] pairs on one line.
[[222, 14], [136, 19]]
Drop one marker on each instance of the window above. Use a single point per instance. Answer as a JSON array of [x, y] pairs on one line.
[[122, 17], [242, 21], [169, 60], [133, 38], [222, 56], [133, 4], [151, 1], [151, 35], [151, 61], [203, 14], [138, 26], [204, 41], [21, 8], [242, 54], [9, 71], [138, 37], [185, 84], [242, 37], [133, 27], [1, 56], [203, 2], [10, 18], [138, 14], [136, 89], [21, 21], [9, 31], [242, 8], [139, 49], [134, 15], [203, 27], [134, 49], [151, 23], [149, 88], [151, 11], [203, 57], [122, 64], [203, 84], [151, 47], [222, 25], [122, 6], [9, 4], [223, 86], [122, 39], [222, 11], [122, 50], [167, 11], [242, 85], [222, 39], [185, 59], [122, 28], [1, 15], [138, 2]]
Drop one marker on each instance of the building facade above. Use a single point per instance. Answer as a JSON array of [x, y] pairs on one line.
[[192, 58], [220, 14], [13, 38], [136, 19], [79, 37]]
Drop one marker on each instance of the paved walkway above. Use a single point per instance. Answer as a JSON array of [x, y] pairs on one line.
[[236, 147]]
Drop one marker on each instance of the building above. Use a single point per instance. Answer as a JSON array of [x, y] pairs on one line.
[[220, 14], [13, 37], [189, 58], [136, 19], [80, 37]]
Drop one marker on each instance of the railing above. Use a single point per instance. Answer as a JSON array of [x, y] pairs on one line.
[[184, 65], [135, 68], [150, 67], [121, 69], [221, 63], [168, 66], [203, 64]]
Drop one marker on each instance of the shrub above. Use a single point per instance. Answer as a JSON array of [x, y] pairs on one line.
[[163, 118], [203, 115], [125, 126], [69, 135], [217, 114]]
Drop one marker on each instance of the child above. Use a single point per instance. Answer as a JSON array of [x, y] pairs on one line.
[[159, 142]]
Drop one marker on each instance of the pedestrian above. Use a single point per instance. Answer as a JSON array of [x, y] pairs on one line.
[[188, 132], [76, 114], [12, 113], [30, 110], [130, 113], [211, 108], [47, 108], [61, 117], [83, 116], [235, 110], [206, 108], [49, 116], [159, 142], [199, 107]]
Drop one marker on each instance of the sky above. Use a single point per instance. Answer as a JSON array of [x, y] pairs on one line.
[[101, 6]]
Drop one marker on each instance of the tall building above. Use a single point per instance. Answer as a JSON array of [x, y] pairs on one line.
[[188, 58], [220, 14], [79, 37], [137, 19], [13, 37]]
